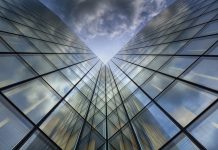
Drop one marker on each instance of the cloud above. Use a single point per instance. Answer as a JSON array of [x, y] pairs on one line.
[[113, 18]]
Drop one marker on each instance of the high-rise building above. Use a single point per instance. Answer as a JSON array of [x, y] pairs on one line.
[[158, 92]]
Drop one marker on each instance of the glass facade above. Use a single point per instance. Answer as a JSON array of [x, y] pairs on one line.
[[158, 92]]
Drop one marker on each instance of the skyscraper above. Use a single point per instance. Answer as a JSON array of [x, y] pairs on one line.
[[158, 92]]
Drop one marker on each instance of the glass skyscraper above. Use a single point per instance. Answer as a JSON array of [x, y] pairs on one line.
[[158, 92]]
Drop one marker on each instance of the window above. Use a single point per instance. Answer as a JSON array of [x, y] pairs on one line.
[[153, 128], [71, 75], [39, 63], [184, 102], [63, 126], [199, 46], [205, 128], [56, 60], [136, 102], [58, 82], [173, 47], [3, 47], [13, 127], [91, 139], [156, 84], [13, 70], [18, 43], [158, 62], [177, 65], [124, 140], [204, 72], [78, 101], [181, 142], [211, 28], [38, 141], [34, 98]]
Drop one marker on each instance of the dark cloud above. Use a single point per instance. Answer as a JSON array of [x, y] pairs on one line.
[[91, 18]]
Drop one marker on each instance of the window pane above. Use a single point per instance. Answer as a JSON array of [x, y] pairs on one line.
[[34, 98], [71, 75], [177, 65], [205, 129], [78, 101], [58, 82], [185, 102], [199, 46], [38, 142], [12, 70], [181, 142], [13, 127], [3, 47], [63, 126], [153, 128], [18, 43], [211, 28], [136, 102], [204, 73], [39, 63], [156, 84], [124, 140], [90, 139]]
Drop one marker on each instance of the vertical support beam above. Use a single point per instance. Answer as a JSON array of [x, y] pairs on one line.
[[106, 107]]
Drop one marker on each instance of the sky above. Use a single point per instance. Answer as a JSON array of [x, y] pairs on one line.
[[106, 25]]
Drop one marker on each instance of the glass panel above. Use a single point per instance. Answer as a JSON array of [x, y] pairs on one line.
[[153, 128], [177, 65], [38, 63], [90, 139], [136, 102], [204, 72], [18, 43], [199, 46], [185, 102], [12, 70], [124, 140], [78, 101], [156, 84], [38, 142], [173, 47], [205, 129], [71, 75], [63, 126], [56, 61], [181, 142], [34, 98], [13, 127], [211, 28], [3, 47], [58, 82]]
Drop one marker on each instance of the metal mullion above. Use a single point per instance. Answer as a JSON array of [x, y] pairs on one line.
[[106, 117], [83, 126], [176, 55], [168, 115], [36, 126], [131, 126], [31, 53]]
